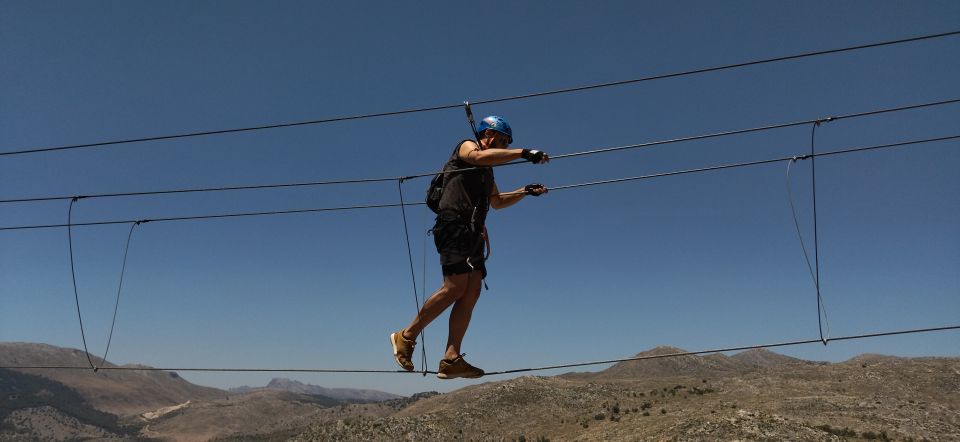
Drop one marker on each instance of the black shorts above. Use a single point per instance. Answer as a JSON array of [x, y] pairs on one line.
[[460, 246]]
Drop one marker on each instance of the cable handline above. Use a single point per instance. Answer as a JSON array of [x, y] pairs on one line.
[[216, 216], [570, 186], [205, 189], [718, 68], [752, 163], [73, 277], [494, 100], [552, 158], [756, 129], [491, 373]]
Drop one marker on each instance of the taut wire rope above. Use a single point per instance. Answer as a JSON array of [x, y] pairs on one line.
[[749, 163], [563, 187], [495, 100], [727, 349], [552, 158], [502, 372]]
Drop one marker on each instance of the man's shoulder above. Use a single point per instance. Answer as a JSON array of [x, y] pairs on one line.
[[464, 148], [468, 142]]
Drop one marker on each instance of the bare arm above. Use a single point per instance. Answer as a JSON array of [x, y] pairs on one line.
[[500, 200], [471, 153]]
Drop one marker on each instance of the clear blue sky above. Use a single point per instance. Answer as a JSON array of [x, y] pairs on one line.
[[696, 261]]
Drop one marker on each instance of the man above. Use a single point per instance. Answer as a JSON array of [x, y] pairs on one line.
[[459, 237]]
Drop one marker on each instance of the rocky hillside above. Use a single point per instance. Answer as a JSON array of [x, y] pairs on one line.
[[72, 404], [34, 407], [759, 396], [116, 392], [343, 394], [713, 364], [754, 395]]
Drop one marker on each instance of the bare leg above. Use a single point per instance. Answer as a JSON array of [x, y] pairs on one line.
[[454, 287], [461, 314]]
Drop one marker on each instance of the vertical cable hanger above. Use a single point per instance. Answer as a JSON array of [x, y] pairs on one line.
[[73, 276], [815, 267], [413, 277], [816, 240], [423, 280], [76, 295], [116, 305]]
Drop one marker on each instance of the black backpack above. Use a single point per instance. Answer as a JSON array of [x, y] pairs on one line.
[[435, 192]]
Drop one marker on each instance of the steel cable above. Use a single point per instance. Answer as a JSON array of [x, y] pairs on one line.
[[406, 233], [488, 101], [552, 158], [564, 187], [116, 305], [492, 373], [73, 277]]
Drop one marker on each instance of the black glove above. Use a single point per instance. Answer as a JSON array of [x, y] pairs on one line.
[[533, 156], [531, 189]]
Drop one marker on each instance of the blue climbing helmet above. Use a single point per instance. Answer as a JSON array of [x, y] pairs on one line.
[[498, 124]]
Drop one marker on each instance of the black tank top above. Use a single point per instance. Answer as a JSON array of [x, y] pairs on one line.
[[466, 193]]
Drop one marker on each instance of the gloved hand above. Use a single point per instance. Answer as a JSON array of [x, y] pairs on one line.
[[535, 156], [535, 189]]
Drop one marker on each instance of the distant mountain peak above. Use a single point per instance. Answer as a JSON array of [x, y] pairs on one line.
[[344, 394], [661, 350], [761, 357]]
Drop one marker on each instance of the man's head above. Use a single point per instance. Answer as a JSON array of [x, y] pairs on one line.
[[497, 128]]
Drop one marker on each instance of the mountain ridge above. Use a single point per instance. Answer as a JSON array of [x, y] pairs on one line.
[[755, 395], [344, 394]]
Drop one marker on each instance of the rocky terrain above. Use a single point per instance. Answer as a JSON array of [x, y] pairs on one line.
[[344, 394], [754, 395], [115, 392]]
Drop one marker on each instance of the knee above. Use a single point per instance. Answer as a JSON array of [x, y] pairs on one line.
[[472, 294]]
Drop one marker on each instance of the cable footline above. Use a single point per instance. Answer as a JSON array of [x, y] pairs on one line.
[[249, 370], [519, 370], [421, 175], [720, 350], [571, 186], [488, 101]]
